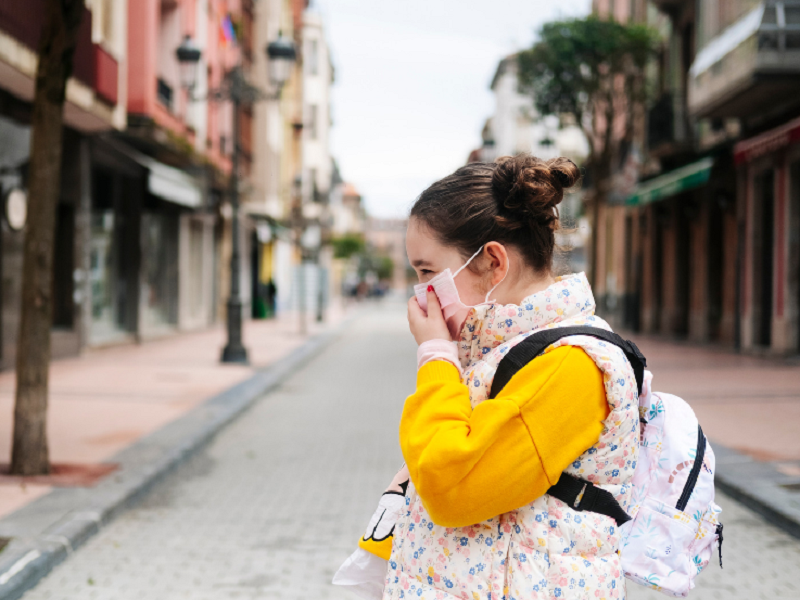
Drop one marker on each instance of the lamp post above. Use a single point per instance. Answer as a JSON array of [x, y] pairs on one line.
[[281, 54]]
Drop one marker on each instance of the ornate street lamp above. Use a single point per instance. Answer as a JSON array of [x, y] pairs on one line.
[[280, 55], [188, 54]]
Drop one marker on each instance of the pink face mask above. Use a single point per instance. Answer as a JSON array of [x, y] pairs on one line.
[[444, 285]]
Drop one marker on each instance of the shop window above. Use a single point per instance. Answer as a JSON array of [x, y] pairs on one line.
[[107, 259], [160, 254], [196, 261]]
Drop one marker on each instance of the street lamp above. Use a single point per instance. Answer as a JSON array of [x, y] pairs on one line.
[[280, 56], [188, 54]]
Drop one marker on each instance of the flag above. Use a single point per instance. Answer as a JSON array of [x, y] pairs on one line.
[[226, 31]]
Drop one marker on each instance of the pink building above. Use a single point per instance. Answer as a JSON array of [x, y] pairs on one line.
[[143, 233], [156, 29]]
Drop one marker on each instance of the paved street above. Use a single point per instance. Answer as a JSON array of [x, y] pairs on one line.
[[108, 398], [274, 505]]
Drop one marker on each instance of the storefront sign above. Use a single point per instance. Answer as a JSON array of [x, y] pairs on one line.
[[16, 208]]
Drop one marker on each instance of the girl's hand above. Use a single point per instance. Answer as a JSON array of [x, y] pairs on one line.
[[431, 327]]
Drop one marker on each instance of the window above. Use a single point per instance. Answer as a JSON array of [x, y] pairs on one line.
[[313, 109], [164, 93], [313, 57]]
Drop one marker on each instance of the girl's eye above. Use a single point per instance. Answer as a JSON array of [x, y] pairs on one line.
[[426, 271]]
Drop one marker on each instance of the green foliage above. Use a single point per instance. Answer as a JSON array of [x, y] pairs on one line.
[[573, 64], [347, 245], [594, 69], [380, 264], [385, 267]]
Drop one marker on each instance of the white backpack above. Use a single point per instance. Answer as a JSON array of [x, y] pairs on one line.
[[675, 524], [672, 527]]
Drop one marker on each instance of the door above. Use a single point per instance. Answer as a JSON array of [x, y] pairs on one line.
[[110, 260], [763, 268], [794, 251], [715, 265]]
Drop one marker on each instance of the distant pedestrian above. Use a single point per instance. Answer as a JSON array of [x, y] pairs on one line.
[[476, 520]]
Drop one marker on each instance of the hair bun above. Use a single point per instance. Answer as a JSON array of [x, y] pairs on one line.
[[528, 189]]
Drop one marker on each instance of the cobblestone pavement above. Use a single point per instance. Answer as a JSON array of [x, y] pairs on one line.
[[276, 502]]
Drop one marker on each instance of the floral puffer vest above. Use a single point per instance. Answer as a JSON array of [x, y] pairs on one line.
[[545, 549]]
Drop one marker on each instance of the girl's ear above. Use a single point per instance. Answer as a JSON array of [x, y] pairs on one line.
[[498, 264]]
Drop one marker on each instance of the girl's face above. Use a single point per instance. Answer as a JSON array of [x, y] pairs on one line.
[[429, 257]]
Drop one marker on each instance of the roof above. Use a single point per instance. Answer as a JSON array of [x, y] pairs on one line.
[[350, 190], [501, 68]]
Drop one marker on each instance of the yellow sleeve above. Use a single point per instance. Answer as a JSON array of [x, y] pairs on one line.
[[470, 465]]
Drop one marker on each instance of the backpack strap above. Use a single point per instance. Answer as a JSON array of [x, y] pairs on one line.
[[584, 495], [532, 346], [573, 491]]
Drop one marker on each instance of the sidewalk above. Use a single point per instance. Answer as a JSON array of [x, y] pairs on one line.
[[107, 399], [749, 404], [749, 408]]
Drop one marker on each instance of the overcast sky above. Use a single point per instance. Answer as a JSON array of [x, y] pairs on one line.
[[412, 85]]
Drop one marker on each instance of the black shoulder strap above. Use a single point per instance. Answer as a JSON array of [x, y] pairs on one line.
[[573, 491], [584, 495], [532, 346]]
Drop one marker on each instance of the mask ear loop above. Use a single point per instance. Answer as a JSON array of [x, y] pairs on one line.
[[486, 299], [464, 266]]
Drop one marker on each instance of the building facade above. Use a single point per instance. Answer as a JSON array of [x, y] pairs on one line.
[[95, 106], [709, 248], [143, 238]]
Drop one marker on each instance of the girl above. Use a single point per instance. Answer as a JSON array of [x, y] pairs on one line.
[[478, 522]]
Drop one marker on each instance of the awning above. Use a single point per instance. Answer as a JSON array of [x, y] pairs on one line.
[[769, 141], [680, 180], [171, 184]]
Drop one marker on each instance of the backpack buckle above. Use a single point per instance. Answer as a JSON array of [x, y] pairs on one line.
[[587, 497]]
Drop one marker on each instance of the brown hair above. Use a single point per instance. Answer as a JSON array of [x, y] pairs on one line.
[[511, 201]]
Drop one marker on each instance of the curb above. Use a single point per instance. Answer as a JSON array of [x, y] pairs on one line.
[[760, 487], [46, 531]]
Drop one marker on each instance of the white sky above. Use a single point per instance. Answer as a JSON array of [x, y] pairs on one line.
[[412, 85]]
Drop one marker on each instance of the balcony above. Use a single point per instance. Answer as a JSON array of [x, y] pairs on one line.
[[93, 66], [751, 67], [668, 6], [24, 20]]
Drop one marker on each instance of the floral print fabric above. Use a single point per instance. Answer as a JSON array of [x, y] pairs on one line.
[[663, 547], [545, 549]]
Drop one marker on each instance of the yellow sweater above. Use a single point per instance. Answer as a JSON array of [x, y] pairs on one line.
[[471, 465]]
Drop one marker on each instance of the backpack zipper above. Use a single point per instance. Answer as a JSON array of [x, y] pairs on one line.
[[695, 472]]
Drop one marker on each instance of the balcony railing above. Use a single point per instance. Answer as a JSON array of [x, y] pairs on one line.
[[780, 27], [752, 65]]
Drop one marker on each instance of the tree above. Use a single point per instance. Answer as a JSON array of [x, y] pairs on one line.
[[595, 70], [29, 454], [345, 246]]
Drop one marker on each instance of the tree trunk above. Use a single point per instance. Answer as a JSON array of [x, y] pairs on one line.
[[29, 454], [601, 177]]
